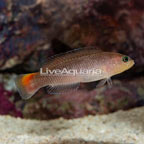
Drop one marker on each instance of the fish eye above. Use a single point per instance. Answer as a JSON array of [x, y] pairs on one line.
[[125, 59]]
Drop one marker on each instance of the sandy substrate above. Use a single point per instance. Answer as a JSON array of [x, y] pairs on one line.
[[117, 128]]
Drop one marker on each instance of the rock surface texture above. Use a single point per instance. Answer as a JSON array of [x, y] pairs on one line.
[[117, 128]]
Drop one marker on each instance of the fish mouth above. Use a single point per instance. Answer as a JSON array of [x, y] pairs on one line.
[[131, 64]]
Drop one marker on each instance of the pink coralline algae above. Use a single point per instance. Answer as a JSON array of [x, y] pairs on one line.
[[6, 106]]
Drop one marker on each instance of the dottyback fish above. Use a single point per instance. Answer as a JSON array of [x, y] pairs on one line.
[[68, 70]]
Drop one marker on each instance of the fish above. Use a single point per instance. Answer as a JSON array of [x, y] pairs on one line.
[[66, 71]]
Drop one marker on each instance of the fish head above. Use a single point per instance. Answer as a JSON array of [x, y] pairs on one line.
[[121, 63]]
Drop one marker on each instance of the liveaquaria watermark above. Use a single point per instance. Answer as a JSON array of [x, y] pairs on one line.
[[69, 72]]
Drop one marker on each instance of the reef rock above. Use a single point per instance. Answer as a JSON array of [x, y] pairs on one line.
[[27, 26], [7, 107], [87, 100]]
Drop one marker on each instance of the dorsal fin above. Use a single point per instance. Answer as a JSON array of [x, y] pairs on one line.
[[71, 54]]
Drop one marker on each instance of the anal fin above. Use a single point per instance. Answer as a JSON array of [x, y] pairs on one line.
[[61, 89]]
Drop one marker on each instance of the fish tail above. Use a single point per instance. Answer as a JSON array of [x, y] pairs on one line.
[[26, 85]]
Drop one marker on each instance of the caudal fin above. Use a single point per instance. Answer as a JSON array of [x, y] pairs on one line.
[[26, 86]]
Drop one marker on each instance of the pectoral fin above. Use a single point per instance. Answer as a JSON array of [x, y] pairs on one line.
[[109, 81], [103, 82]]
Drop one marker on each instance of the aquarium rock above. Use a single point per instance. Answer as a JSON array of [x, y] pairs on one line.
[[117, 128]]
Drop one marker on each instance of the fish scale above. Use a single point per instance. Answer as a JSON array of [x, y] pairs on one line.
[[108, 64]]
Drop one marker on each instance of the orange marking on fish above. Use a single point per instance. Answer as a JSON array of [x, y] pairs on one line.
[[27, 78]]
